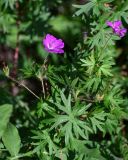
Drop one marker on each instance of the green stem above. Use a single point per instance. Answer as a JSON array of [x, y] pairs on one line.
[[25, 155], [42, 78], [106, 42], [43, 88], [46, 59], [22, 155]]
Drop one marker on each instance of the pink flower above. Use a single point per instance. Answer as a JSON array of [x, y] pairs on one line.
[[117, 28], [122, 32], [114, 25], [53, 45]]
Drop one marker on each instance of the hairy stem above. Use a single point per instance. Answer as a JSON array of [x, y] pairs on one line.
[[44, 66], [106, 42], [43, 88]]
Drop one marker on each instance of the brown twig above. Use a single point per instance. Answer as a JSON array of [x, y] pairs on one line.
[[23, 85]]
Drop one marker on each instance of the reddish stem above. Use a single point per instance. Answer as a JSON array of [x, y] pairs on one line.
[[16, 53]]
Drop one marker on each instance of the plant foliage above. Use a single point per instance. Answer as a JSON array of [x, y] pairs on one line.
[[77, 106]]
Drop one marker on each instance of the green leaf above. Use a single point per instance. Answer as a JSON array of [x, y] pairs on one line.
[[62, 153], [67, 102], [114, 98], [84, 8], [12, 139], [89, 63], [105, 69], [44, 141], [98, 121], [96, 6], [9, 3], [59, 119], [5, 113], [93, 83]]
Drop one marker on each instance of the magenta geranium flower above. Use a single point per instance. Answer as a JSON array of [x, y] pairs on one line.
[[53, 45], [117, 28], [122, 32], [114, 25]]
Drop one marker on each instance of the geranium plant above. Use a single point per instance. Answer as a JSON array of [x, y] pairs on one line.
[[66, 96]]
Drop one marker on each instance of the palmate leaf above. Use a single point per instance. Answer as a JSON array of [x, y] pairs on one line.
[[78, 131], [111, 124], [119, 113], [92, 155], [62, 154], [112, 120], [114, 98], [81, 110], [93, 83], [75, 128], [74, 82], [96, 124], [97, 121], [98, 63], [84, 153], [59, 120], [67, 129], [9, 3], [58, 79], [97, 67], [44, 141], [105, 69], [101, 34], [105, 62], [78, 145], [67, 102], [121, 12], [124, 149], [95, 5], [43, 108], [84, 8], [68, 120], [89, 63], [99, 38], [125, 11]]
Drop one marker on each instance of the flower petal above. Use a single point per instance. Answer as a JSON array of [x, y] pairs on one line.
[[58, 44], [117, 24], [122, 32], [50, 38], [110, 24]]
